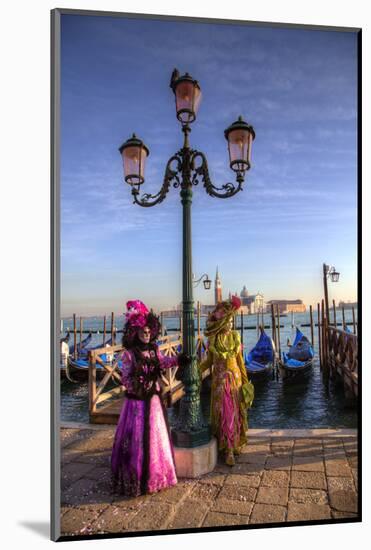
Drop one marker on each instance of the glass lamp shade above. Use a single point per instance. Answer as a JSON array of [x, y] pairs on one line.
[[335, 276], [187, 98], [207, 283], [240, 136], [134, 154]]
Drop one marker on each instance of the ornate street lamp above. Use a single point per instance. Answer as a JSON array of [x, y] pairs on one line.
[[329, 271], [205, 279], [240, 136], [185, 169], [134, 154]]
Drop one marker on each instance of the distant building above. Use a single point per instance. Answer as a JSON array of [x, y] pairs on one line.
[[251, 303], [287, 306], [347, 305], [218, 288]]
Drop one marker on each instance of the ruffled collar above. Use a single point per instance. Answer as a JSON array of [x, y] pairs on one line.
[[225, 344]]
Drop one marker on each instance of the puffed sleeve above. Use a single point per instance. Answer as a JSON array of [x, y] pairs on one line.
[[207, 362], [239, 357], [165, 361], [127, 362]]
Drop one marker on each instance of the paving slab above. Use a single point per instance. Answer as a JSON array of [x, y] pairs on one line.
[[220, 519], [337, 467], [275, 478], [308, 480], [190, 513], [241, 493], [281, 475], [308, 511], [305, 496], [268, 513], [227, 506], [273, 495], [152, 515], [308, 464], [239, 480], [205, 491], [278, 463]]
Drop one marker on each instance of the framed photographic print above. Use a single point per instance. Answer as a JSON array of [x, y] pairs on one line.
[[206, 305]]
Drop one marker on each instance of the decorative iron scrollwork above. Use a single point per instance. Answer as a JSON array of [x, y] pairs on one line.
[[171, 175], [202, 171]]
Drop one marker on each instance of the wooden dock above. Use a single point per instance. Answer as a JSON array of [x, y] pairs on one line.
[[342, 358], [105, 404]]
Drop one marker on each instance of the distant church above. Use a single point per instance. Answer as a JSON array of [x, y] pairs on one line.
[[250, 303], [217, 288]]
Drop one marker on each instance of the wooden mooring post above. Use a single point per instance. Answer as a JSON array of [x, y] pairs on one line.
[[334, 310], [81, 323], [274, 338], [319, 335], [104, 330], [278, 331], [343, 314], [162, 322], [325, 364], [354, 321], [311, 325], [241, 327], [74, 337], [112, 328]]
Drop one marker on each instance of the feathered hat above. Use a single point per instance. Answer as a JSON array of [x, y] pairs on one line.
[[221, 315], [137, 317]]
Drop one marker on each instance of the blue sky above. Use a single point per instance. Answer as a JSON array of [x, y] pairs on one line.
[[298, 207]]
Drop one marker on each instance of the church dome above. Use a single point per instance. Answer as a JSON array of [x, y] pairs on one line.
[[244, 292]]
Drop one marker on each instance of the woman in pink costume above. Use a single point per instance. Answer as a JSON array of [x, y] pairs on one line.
[[142, 459], [231, 392]]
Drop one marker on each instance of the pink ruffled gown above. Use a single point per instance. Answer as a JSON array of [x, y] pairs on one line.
[[142, 459]]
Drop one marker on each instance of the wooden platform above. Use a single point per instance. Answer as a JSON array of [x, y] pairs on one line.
[[110, 412], [343, 359]]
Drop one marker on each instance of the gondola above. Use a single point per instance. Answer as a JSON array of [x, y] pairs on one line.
[[79, 368], [259, 362], [84, 352], [81, 345], [299, 359], [65, 338]]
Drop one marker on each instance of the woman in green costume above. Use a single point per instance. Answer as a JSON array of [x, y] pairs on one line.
[[231, 392]]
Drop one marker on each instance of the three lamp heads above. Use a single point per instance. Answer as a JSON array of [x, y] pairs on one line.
[[187, 91]]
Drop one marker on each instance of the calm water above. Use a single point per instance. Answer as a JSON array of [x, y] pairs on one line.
[[278, 404]]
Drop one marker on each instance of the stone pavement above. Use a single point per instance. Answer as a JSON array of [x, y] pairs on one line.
[[281, 476]]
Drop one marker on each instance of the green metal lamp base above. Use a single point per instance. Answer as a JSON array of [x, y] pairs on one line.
[[192, 438]]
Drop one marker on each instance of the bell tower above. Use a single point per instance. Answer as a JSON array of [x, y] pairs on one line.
[[218, 288]]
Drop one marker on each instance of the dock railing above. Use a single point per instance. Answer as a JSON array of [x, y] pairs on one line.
[[100, 396], [342, 358]]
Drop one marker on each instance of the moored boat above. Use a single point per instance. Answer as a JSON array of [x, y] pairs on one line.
[[298, 361], [79, 368], [259, 362], [81, 345]]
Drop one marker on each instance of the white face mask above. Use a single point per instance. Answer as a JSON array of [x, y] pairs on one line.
[[144, 335]]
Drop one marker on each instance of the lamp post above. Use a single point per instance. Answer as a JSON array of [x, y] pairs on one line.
[[329, 271], [184, 169]]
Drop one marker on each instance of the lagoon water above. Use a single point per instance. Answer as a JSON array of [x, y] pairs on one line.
[[278, 404]]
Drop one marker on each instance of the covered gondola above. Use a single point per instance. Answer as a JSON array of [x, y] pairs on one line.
[[79, 367], [259, 362], [298, 361], [81, 345], [65, 338]]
